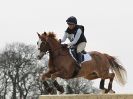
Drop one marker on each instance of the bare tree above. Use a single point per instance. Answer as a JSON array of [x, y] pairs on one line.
[[80, 85], [4, 83], [19, 61]]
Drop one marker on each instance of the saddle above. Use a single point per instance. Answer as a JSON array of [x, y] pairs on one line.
[[80, 57]]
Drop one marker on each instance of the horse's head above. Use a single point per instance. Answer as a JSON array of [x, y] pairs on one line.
[[43, 46], [47, 42]]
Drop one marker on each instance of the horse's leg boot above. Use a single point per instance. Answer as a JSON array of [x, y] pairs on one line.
[[47, 88], [58, 87]]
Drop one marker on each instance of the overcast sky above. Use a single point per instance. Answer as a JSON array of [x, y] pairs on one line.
[[108, 26]]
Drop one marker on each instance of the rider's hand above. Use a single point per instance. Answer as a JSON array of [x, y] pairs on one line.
[[69, 45]]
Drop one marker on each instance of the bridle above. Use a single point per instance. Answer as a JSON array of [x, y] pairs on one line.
[[53, 51]]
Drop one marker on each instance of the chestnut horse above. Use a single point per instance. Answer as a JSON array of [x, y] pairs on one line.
[[63, 65]]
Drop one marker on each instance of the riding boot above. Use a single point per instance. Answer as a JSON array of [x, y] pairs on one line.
[[79, 57], [74, 53]]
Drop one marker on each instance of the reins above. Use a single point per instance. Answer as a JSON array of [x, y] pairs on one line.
[[53, 52]]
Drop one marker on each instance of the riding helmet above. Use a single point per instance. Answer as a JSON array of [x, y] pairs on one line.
[[72, 20]]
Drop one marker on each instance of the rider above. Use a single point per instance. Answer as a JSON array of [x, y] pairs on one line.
[[75, 33]]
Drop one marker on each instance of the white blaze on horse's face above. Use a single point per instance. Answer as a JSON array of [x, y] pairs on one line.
[[40, 53]]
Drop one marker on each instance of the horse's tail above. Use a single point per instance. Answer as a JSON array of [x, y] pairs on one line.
[[119, 70]]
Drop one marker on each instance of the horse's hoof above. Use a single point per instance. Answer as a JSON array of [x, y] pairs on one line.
[[49, 90], [103, 91], [106, 91], [112, 91], [61, 89]]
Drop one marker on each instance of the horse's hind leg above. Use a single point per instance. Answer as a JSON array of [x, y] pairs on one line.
[[102, 82], [111, 77]]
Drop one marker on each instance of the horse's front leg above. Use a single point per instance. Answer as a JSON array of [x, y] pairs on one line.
[[57, 74], [44, 78], [56, 84], [47, 75], [47, 87]]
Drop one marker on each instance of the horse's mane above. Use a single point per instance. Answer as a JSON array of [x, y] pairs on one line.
[[52, 35]]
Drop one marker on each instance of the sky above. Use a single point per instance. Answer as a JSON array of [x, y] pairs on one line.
[[108, 26]]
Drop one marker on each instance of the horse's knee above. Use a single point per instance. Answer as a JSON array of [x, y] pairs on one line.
[[112, 75], [44, 77]]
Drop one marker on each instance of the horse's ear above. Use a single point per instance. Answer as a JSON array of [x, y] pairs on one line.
[[38, 35], [45, 33]]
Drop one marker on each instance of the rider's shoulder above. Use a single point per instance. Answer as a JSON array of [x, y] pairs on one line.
[[80, 27], [79, 30]]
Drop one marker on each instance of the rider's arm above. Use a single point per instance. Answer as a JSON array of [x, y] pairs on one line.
[[64, 37], [77, 36]]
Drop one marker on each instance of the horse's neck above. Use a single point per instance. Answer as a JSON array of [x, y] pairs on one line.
[[56, 49], [52, 43], [54, 46]]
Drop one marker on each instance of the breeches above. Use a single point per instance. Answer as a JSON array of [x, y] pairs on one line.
[[81, 46]]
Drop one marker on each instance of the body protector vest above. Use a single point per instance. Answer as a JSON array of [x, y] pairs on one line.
[[74, 31]]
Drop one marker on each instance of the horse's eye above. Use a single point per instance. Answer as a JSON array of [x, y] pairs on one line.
[[37, 43]]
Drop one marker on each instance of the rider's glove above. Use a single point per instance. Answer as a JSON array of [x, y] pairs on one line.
[[69, 45]]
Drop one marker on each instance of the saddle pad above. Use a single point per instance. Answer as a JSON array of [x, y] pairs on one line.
[[87, 57]]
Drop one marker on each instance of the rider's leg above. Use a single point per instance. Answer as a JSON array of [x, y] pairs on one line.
[[80, 47], [79, 57], [74, 53]]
